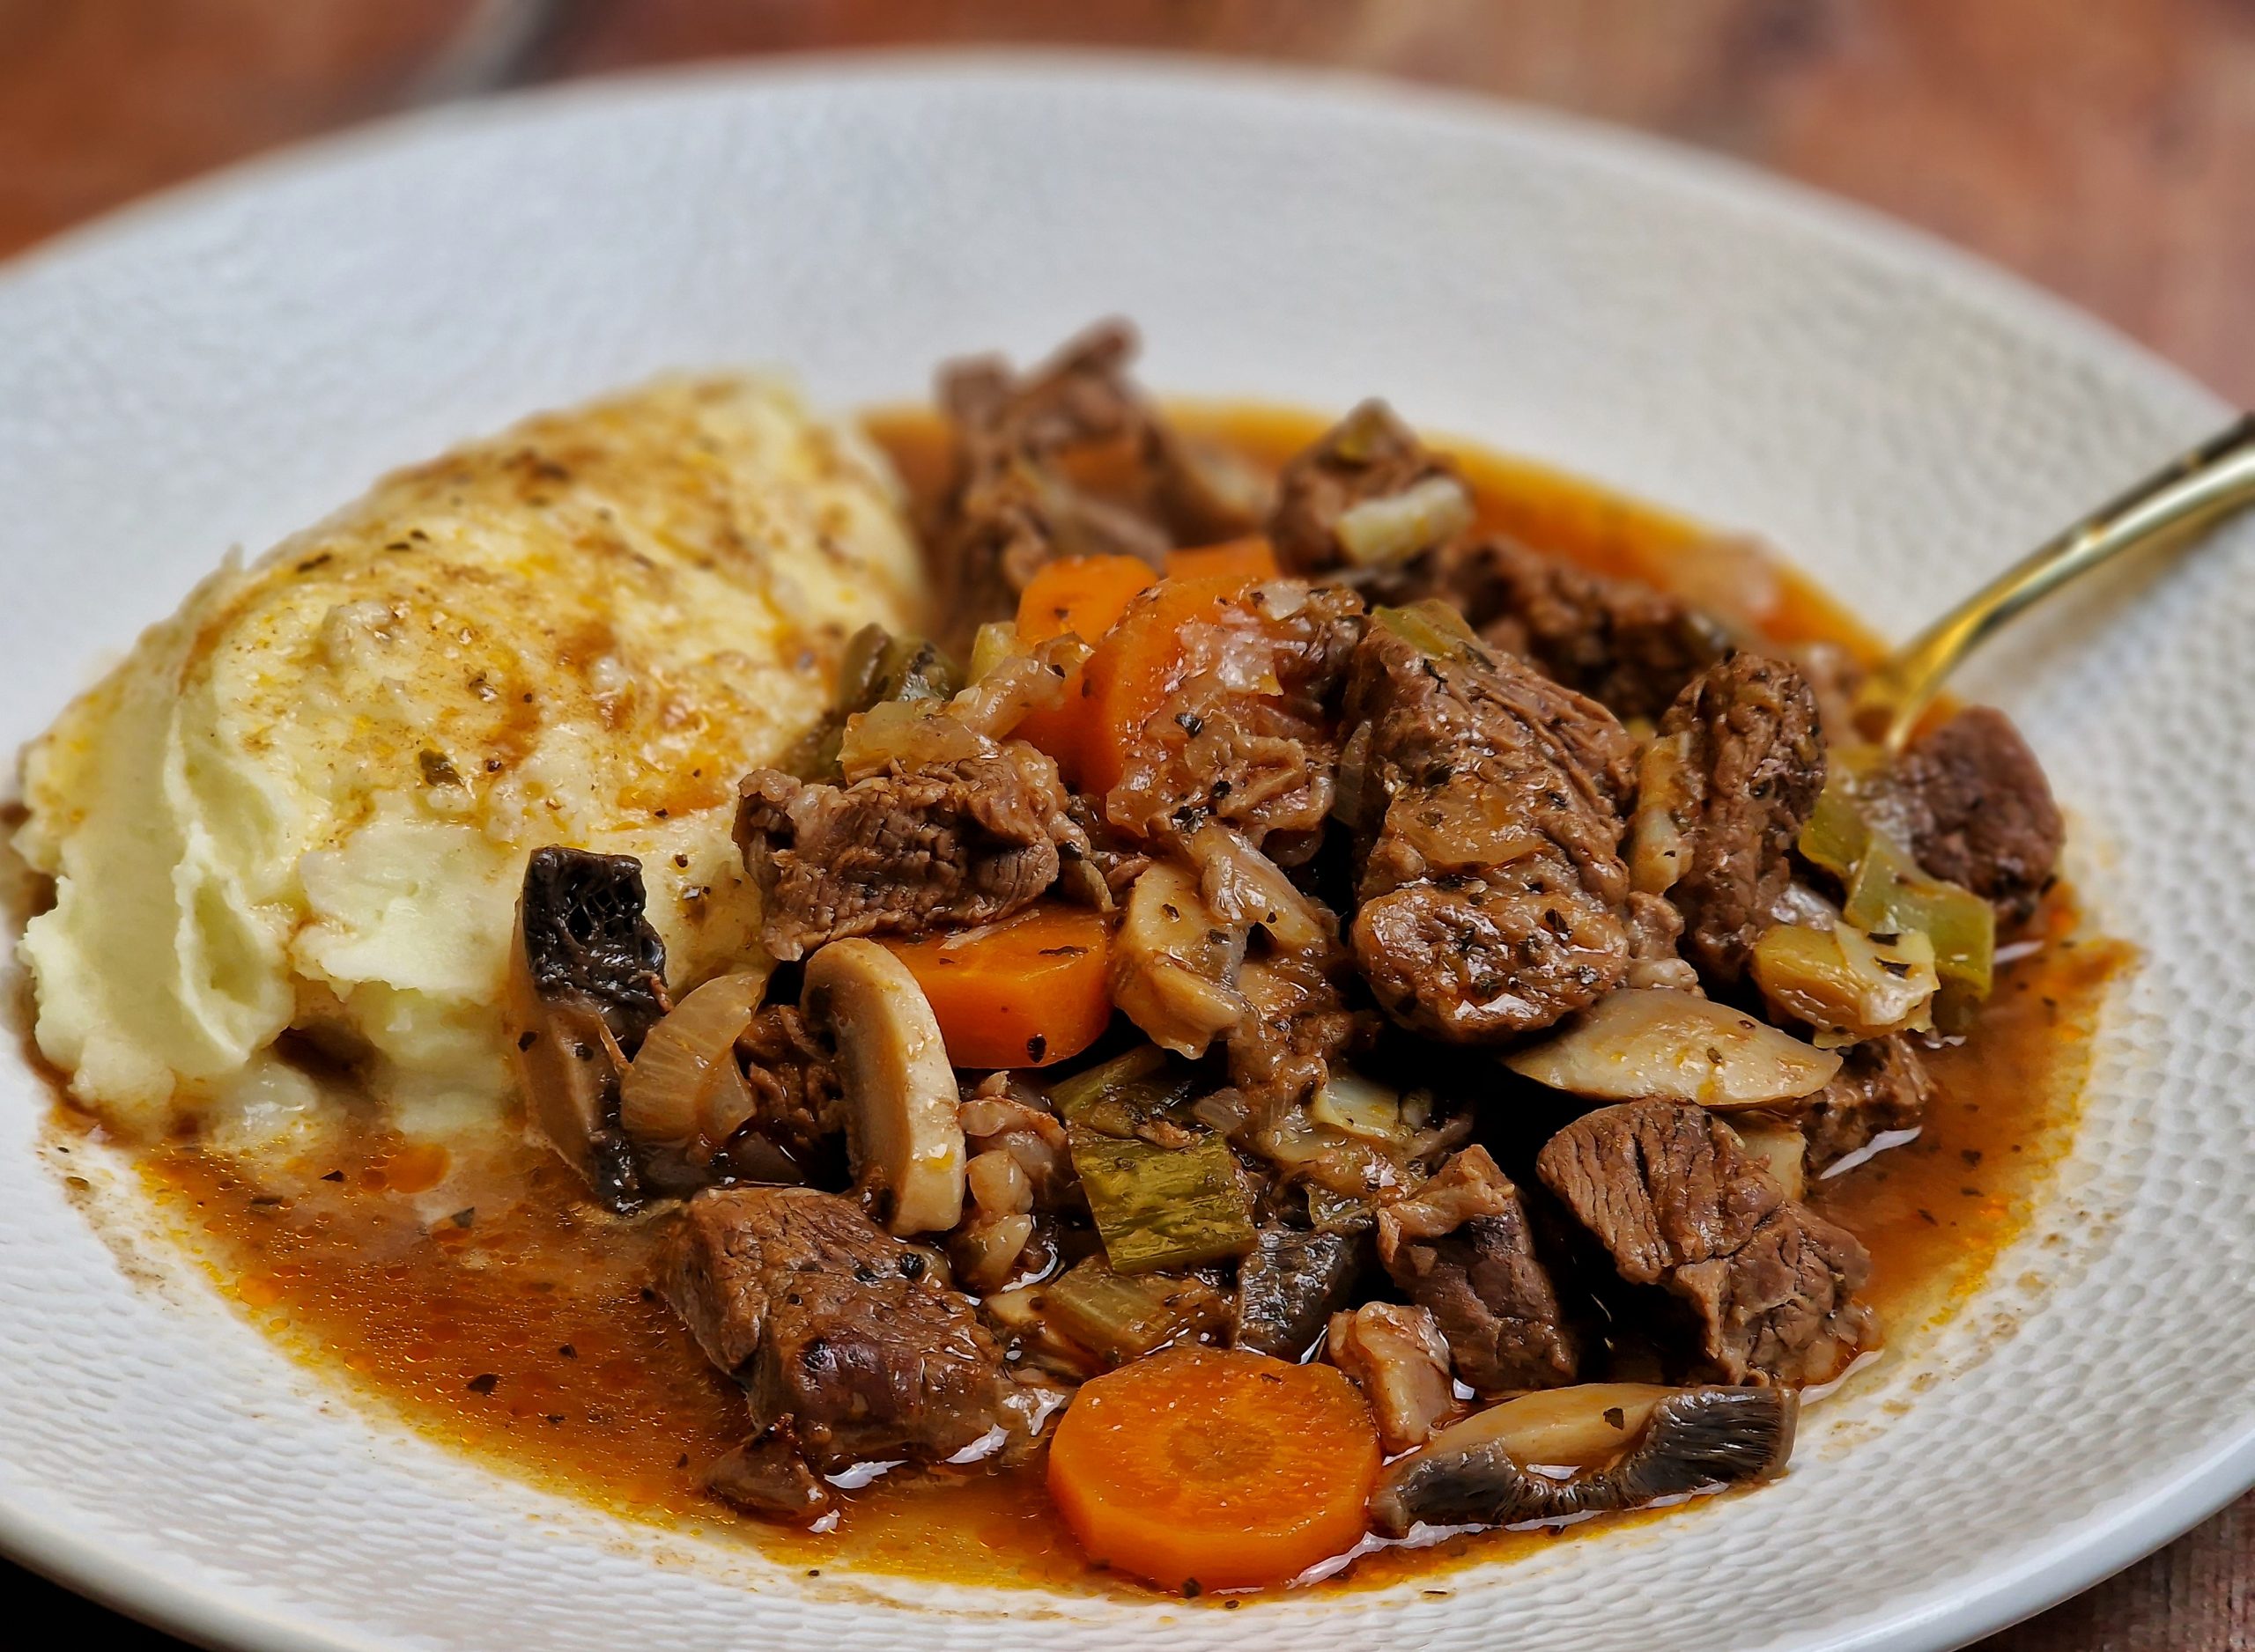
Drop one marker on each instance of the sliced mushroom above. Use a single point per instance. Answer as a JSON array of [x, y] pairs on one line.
[[1649, 1044], [901, 1132], [1473, 1473], [1174, 962], [587, 983]]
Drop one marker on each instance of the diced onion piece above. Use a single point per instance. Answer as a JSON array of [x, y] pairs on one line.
[[1656, 830], [1401, 525], [684, 1086], [1351, 1103], [996, 641], [1847, 985], [903, 731], [1649, 1044]]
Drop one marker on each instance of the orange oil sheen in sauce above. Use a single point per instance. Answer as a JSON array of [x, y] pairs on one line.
[[517, 1324]]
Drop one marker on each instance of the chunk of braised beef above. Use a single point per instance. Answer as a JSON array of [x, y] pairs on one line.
[[1290, 1285], [1368, 456], [940, 844], [587, 983], [1071, 459], [1972, 800], [1677, 1202], [1882, 1086], [1753, 765], [1009, 508], [1460, 1248], [1488, 804], [1628, 646], [838, 1333], [793, 1079]]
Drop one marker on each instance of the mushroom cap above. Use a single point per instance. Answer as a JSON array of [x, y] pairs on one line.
[[901, 1131]]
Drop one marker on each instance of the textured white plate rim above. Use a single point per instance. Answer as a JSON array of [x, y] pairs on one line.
[[2173, 1497]]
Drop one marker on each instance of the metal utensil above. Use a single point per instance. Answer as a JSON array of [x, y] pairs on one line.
[[2188, 493]]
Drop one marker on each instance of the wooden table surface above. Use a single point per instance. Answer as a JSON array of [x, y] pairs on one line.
[[2105, 149]]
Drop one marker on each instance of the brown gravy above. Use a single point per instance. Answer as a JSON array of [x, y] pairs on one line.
[[511, 1320]]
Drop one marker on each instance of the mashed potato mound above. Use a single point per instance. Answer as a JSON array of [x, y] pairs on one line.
[[305, 801]]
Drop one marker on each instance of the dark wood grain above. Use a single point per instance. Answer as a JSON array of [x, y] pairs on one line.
[[2104, 148]]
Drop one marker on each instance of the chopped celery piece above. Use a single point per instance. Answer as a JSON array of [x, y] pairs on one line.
[[1432, 627], [1118, 1318], [1115, 1097], [1163, 1207], [1889, 894], [1837, 834], [1845, 983]]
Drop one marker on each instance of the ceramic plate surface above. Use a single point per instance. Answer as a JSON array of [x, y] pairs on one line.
[[229, 362]]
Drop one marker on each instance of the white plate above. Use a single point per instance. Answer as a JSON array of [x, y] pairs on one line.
[[224, 365]]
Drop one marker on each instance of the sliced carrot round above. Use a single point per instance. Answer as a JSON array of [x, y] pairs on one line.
[[1079, 593], [1021, 993], [1215, 1467], [1252, 559]]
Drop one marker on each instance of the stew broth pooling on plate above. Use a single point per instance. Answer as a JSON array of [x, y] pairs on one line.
[[1301, 1019]]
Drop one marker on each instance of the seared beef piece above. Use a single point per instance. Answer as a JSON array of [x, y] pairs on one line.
[[1289, 1288], [587, 982], [1370, 454], [1882, 1086], [941, 844], [768, 1475], [1460, 1248], [1296, 1024], [1972, 801], [1018, 499], [1626, 645], [793, 1079], [1489, 817], [831, 1323], [1217, 748], [1677, 1202], [1008, 511], [1754, 766], [1116, 860]]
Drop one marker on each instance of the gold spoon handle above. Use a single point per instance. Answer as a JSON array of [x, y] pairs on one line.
[[2216, 478]]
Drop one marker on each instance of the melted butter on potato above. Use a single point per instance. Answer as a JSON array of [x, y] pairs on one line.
[[306, 799]]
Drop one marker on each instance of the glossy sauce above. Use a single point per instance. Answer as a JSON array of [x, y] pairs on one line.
[[491, 1307]]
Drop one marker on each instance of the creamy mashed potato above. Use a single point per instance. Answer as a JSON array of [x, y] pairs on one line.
[[304, 801]]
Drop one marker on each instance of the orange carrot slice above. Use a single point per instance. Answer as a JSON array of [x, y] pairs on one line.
[[1252, 559], [1215, 1467], [1021, 993]]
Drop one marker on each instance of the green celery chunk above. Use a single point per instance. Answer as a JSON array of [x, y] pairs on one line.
[[1117, 1097], [1888, 894], [1163, 1207], [1837, 834], [1118, 1317]]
